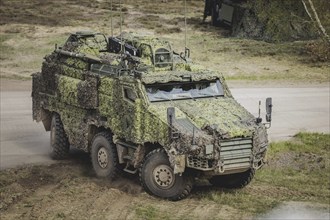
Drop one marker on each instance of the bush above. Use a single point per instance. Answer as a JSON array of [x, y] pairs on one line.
[[319, 51]]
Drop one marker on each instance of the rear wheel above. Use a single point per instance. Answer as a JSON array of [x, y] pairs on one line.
[[104, 155], [233, 181], [158, 179], [59, 144]]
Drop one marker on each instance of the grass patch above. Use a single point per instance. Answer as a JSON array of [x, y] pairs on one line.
[[243, 200], [300, 165], [303, 176], [23, 54], [5, 50], [16, 77], [150, 212], [155, 212], [314, 143]]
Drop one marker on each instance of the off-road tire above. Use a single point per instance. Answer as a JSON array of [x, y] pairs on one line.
[[233, 181], [179, 188], [103, 147], [59, 144]]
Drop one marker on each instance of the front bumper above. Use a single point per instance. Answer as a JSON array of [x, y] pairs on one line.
[[233, 155]]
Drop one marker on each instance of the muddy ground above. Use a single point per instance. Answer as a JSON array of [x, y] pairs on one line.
[[68, 189]]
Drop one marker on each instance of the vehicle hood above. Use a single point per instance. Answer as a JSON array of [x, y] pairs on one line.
[[225, 115]]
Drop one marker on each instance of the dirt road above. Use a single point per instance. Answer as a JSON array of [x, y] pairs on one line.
[[295, 109]]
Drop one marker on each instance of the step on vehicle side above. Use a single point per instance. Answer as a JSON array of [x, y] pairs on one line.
[[136, 105]]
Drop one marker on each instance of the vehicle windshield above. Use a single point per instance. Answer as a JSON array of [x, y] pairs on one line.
[[184, 90]]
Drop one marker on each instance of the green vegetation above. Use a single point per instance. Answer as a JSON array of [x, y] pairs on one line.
[[298, 170], [150, 212], [5, 49], [301, 166], [283, 20], [313, 143], [153, 212], [22, 54]]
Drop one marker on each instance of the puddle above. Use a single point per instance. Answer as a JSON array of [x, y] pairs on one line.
[[298, 210]]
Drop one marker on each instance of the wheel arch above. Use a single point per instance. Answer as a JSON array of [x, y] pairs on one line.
[[93, 130]]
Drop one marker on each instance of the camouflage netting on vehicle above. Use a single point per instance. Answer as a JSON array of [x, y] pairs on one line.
[[90, 45], [36, 88], [75, 122], [131, 121], [280, 20], [149, 127], [171, 76], [87, 91], [224, 114], [48, 70]]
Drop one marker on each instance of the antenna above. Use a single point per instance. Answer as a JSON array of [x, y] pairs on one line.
[[111, 18], [186, 49], [185, 24], [121, 23]]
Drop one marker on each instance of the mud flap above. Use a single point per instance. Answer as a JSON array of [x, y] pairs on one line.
[[180, 164], [36, 109]]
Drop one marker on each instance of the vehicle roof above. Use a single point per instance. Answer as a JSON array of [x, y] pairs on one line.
[[137, 40], [178, 76]]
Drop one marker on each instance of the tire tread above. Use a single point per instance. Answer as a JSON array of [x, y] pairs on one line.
[[61, 146], [188, 184], [114, 173]]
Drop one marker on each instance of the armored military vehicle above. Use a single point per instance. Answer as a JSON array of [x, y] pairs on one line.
[[138, 106]]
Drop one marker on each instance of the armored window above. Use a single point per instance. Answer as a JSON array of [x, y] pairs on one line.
[[184, 90], [102, 69], [163, 58], [129, 94]]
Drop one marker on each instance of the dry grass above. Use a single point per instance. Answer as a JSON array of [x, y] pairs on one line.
[[29, 30]]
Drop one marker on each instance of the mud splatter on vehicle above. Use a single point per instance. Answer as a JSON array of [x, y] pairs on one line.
[[138, 106]]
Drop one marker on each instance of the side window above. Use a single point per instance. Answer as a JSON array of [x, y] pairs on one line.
[[129, 94]]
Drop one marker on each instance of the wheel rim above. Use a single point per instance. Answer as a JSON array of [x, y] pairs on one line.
[[163, 176], [102, 157]]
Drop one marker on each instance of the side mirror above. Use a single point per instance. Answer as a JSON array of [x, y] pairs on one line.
[[269, 107]]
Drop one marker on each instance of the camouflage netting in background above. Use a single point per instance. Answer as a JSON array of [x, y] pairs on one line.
[[280, 20]]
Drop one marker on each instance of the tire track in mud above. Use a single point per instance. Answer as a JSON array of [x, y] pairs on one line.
[[70, 189]]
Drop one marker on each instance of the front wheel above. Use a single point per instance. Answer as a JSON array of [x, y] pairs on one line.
[[104, 156], [233, 181], [158, 179]]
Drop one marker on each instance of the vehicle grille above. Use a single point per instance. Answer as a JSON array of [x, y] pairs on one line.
[[199, 163], [236, 153]]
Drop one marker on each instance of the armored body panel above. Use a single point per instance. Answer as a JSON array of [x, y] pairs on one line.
[[136, 105]]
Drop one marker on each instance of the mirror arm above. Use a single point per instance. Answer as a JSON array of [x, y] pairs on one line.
[[268, 125]]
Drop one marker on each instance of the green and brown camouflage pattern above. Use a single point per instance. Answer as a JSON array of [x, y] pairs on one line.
[[89, 101]]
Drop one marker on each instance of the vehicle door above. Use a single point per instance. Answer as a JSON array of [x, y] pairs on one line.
[[127, 113]]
